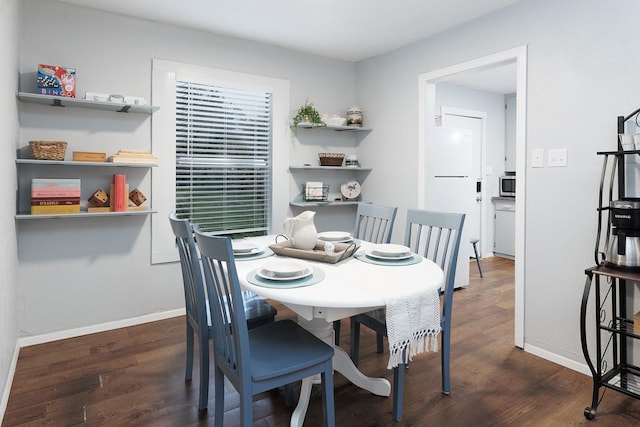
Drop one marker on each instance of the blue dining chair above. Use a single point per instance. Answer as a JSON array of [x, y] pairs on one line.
[[198, 322], [373, 224], [436, 236], [261, 359]]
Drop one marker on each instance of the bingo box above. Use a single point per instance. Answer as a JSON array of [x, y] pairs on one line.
[[55, 80]]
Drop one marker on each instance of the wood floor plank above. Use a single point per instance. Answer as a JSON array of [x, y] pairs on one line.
[[135, 377]]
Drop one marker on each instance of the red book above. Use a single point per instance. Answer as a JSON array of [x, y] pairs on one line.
[[119, 197]]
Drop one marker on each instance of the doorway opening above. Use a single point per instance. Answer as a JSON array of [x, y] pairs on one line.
[[427, 112]]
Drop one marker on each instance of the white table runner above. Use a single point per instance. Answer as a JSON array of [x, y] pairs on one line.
[[413, 326]]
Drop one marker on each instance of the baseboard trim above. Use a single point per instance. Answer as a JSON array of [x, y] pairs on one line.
[[560, 360], [86, 330], [7, 387]]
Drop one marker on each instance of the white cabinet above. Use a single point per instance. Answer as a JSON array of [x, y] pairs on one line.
[[93, 175], [504, 243]]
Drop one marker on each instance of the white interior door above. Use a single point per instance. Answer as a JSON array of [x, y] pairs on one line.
[[474, 123]]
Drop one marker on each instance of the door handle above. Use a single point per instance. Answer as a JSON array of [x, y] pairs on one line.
[[478, 198]]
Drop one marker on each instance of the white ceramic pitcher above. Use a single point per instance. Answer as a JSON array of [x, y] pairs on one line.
[[301, 230]]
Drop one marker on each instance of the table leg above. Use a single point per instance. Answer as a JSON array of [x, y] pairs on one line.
[[297, 418], [341, 363]]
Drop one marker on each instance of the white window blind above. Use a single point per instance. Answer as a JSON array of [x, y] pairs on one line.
[[223, 158]]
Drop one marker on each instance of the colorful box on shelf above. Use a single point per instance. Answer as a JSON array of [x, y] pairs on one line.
[[56, 80]]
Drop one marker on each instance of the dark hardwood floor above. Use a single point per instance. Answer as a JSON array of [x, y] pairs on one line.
[[135, 376]]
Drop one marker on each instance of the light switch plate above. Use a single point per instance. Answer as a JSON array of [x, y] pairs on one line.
[[557, 157], [537, 157]]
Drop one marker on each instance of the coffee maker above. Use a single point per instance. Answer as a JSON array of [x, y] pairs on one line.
[[624, 245]]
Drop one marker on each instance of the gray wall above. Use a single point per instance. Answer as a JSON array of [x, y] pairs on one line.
[[582, 74], [75, 273], [8, 249]]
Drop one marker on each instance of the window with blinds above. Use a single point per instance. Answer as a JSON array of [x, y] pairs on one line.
[[223, 158]]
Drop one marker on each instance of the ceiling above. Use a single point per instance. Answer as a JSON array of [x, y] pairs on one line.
[[350, 30]]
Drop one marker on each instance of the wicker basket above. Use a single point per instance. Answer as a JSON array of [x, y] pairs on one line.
[[331, 159], [48, 150]]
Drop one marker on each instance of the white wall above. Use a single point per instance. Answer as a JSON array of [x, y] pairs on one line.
[[8, 248], [582, 74], [75, 273]]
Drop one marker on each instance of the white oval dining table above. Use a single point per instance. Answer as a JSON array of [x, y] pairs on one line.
[[349, 287]]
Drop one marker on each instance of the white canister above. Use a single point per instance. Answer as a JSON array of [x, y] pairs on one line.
[[351, 160], [354, 116]]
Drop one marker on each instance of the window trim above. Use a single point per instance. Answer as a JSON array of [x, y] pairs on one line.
[[164, 75]]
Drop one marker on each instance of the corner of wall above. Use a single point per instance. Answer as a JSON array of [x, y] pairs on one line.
[[9, 131]]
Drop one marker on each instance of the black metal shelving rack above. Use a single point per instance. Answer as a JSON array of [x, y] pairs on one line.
[[615, 329]]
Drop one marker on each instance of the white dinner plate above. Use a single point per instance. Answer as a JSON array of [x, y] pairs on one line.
[[270, 275], [335, 236], [253, 251], [369, 253], [390, 250], [284, 268], [243, 246]]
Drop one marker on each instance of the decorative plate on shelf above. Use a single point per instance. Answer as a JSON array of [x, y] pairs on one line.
[[350, 190]]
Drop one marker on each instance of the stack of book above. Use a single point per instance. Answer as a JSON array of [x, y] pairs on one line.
[[52, 196], [133, 156]]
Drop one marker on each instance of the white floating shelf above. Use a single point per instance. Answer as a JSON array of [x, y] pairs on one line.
[[84, 215], [60, 101]]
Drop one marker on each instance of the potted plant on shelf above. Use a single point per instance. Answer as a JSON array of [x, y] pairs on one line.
[[307, 115]]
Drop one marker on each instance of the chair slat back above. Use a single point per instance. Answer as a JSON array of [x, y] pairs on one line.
[[436, 236], [374, 223], [194, 291], [228, 321]]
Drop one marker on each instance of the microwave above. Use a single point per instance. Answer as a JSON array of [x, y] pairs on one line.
[[508, 186]]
